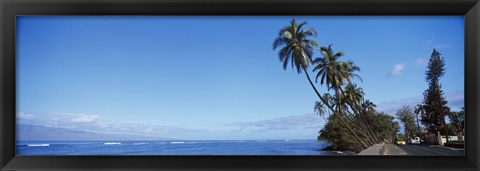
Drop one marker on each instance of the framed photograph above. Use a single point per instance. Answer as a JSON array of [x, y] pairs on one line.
[[239, 85]]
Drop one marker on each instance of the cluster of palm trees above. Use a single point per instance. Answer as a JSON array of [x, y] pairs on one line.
[[420, 111], [347, 102]]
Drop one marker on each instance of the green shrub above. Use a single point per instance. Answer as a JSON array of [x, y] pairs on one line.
[[455, 145], [456, 142], [338, 136]]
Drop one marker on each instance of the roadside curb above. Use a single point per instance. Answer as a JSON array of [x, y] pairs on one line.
[[392, 149], [376, 149], [382, 150], [450, 148]]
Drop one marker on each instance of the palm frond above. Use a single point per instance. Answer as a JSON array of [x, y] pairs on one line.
[[297, 48], [284, 53], [299, 28], [279, 42], [309, 32]]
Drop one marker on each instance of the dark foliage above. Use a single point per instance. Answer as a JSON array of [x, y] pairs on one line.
[[434, 102], [334, 133]]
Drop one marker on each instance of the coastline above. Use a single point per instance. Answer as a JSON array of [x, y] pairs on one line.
[[178, 147]]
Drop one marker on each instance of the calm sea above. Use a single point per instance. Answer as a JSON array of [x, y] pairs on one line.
[[217, 147]]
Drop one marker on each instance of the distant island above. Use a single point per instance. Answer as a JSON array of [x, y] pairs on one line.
[[42, 133]]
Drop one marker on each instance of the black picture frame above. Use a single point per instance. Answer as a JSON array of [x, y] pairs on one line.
[[11, 8]]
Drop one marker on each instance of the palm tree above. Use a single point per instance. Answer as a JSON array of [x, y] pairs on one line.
[[368, 108], [333, 73], [444, 110], [349, 71], [298, 49], [354, 96], [330, 71], [419, 110], [457, 119], [319, 108]]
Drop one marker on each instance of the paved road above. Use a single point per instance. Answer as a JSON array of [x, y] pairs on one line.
[[429, 151]]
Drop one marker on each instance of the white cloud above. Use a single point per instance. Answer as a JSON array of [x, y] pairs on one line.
[[307, 121], [288, 127], [391, 107], [84, 118], [455, 102], [97, 124], [397, 69], [24, 116]]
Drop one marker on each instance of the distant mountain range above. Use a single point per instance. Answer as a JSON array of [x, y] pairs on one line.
[[42, 133]]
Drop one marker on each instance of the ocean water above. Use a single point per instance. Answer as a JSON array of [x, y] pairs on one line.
[[217, 147]]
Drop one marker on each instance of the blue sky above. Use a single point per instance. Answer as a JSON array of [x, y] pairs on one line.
[[216, 77]]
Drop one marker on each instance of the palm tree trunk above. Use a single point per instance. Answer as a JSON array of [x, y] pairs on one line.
[[362, 118], [443, 117], [361, 125], [406, 131], [370, 135], [365, 126], [418, 126], [331, 108], [369, 128], [358, 124], [445, 127], [364, 131], [373, 131]]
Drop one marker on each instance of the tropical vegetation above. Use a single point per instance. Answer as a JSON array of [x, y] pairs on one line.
[[407, 117], [434, 110], [343, 100], [352, 123]]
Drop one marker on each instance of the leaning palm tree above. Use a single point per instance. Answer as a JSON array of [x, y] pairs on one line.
[[350, 71], [298, 50], [298, 47], [333, 72], [368, 106], [354, 96]]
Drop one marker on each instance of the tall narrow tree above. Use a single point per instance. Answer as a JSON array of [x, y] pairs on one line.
[[434, 101]]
